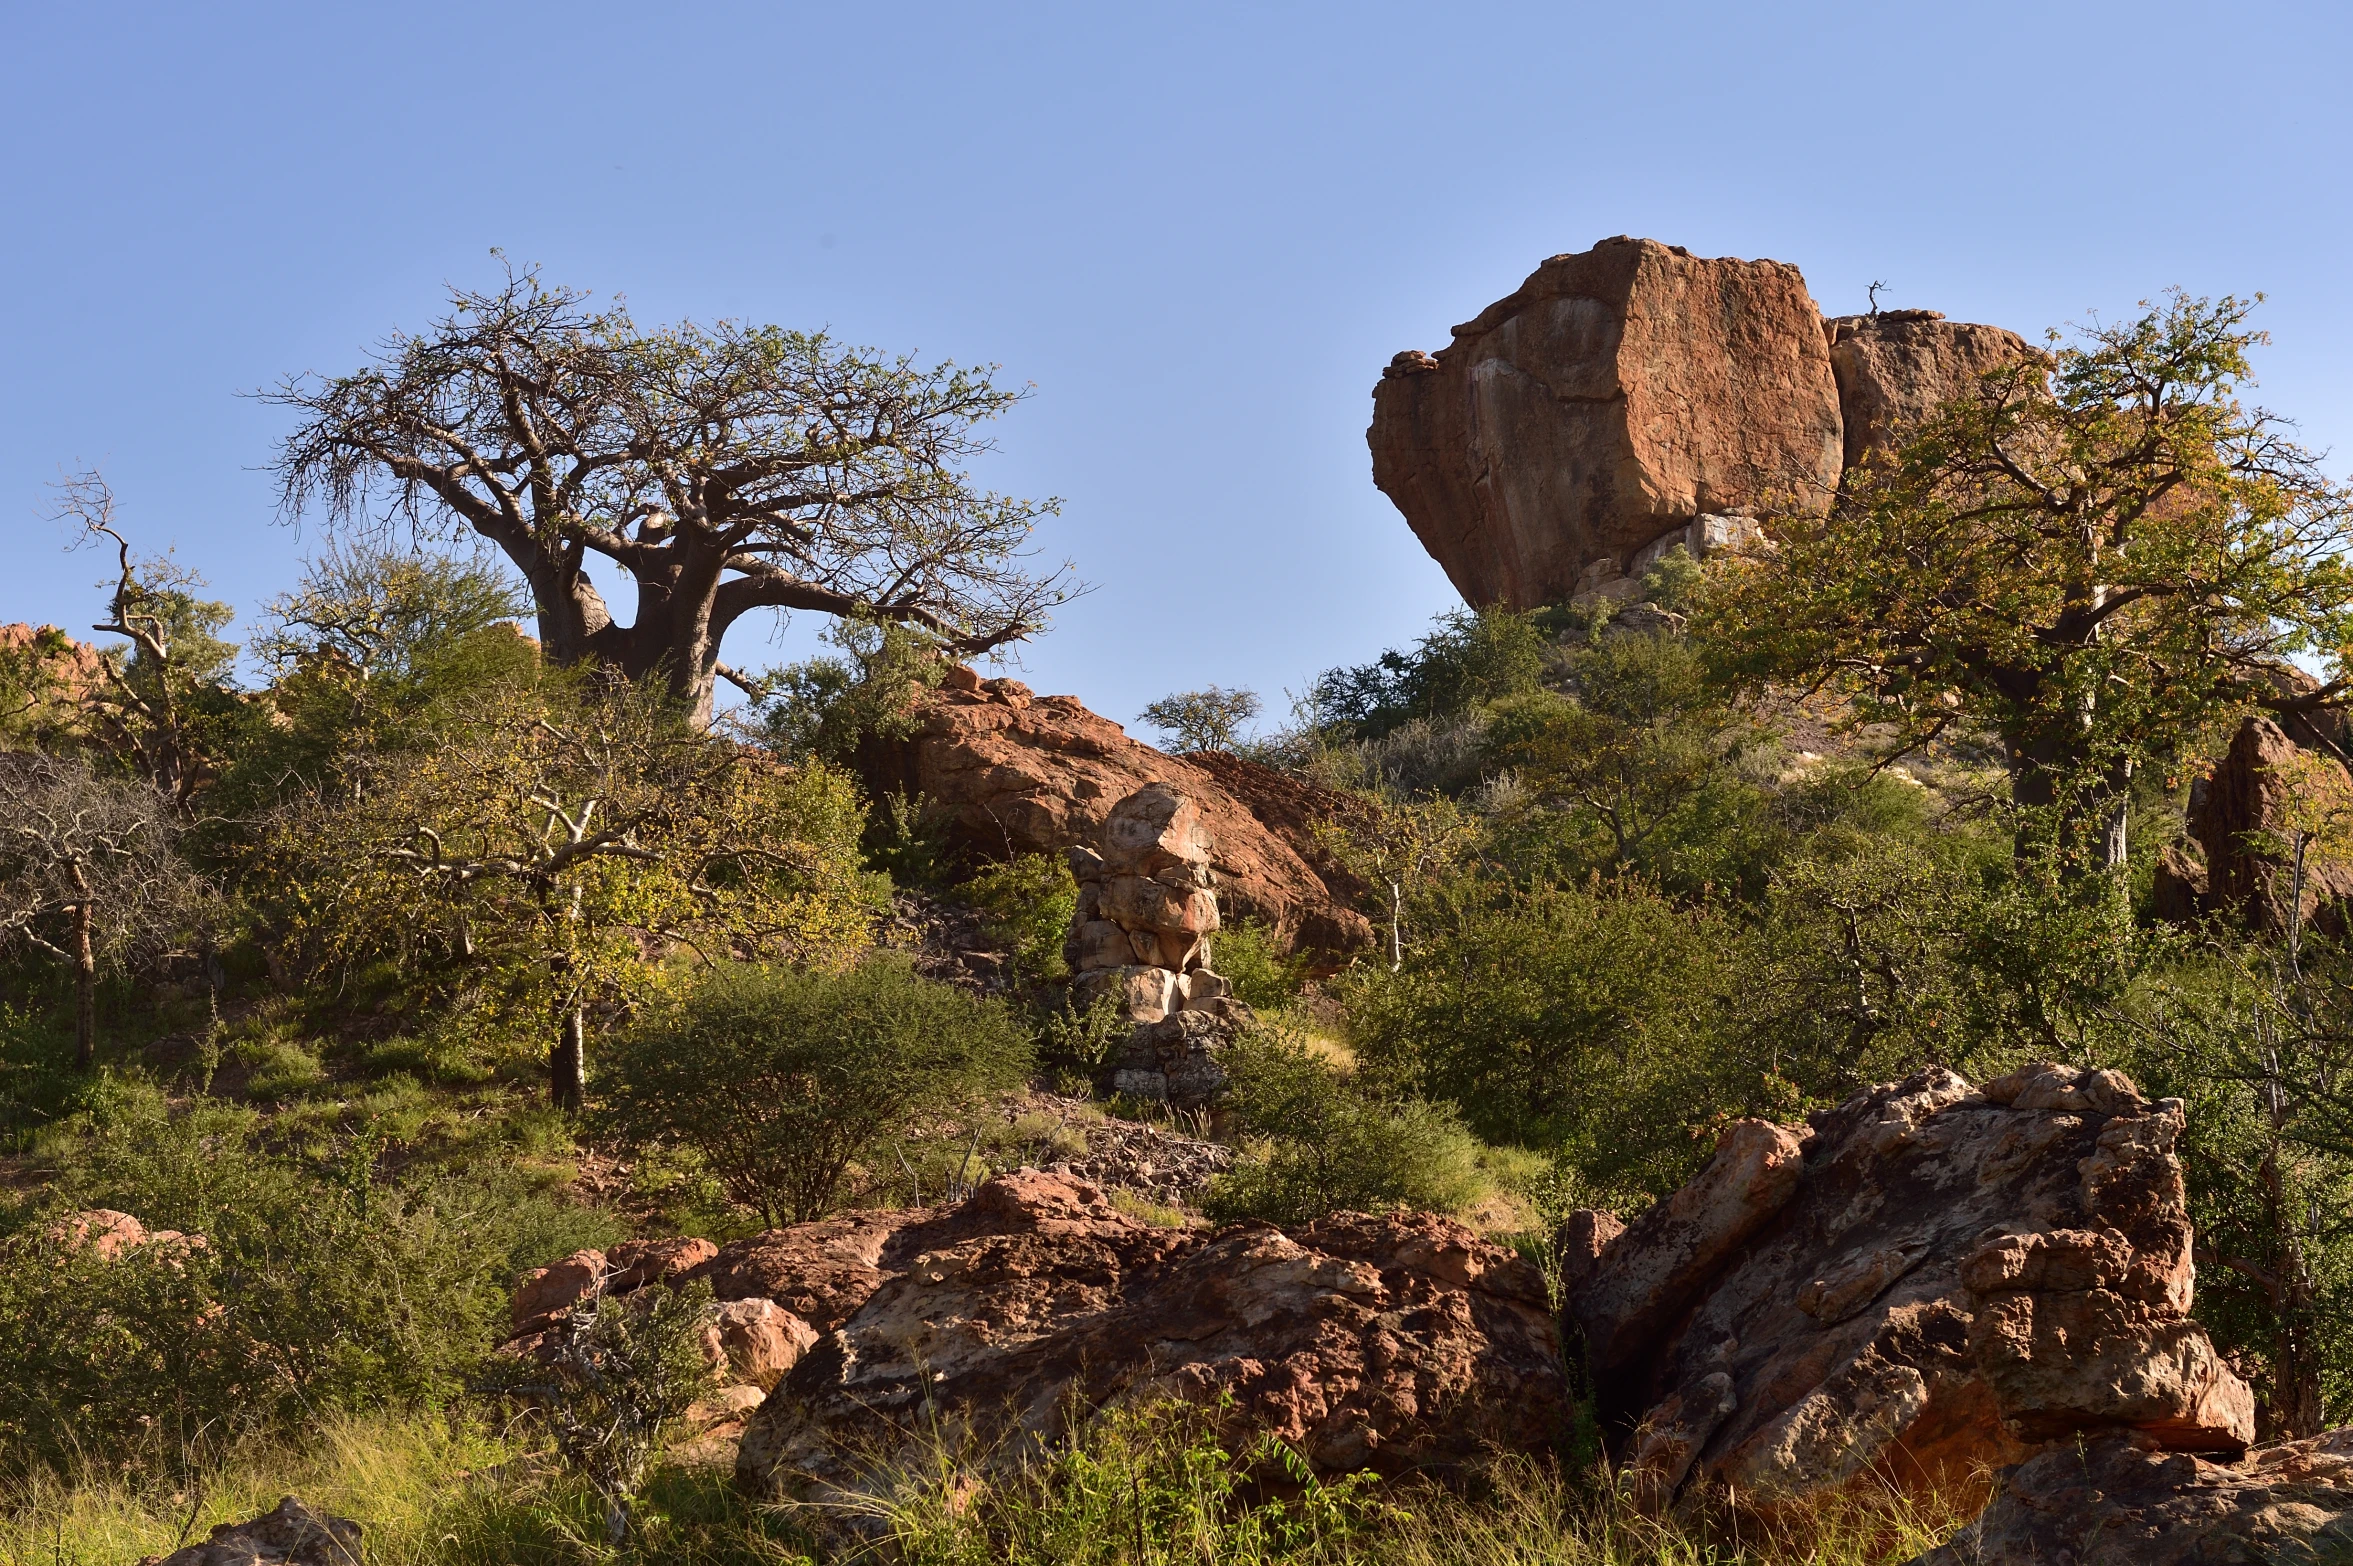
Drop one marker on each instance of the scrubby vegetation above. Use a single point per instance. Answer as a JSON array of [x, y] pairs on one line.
[[431, 954]]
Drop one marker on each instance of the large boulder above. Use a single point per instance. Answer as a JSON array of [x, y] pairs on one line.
[[1021, 774], [2116, 1501], [1928, 1282], [1618, 395], [290, 1534], [1392, 1343], [1896, 367], [2237, 817]]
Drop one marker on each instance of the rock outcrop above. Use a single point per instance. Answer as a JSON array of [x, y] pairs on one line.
[[1923, 1284], [1392, 1343], [2121, 1502], [747, 1339], [290, 1534], [1021, 774], [107, 1233], [2237, 817], [1147, 905], [1619, 394], [1897, 366]]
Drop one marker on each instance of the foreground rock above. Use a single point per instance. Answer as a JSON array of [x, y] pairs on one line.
[[1896, 367], [1619, 394], [1024, 774], [2117, 1502], [289, 1535], [1926, 1283], [1391, 1343]]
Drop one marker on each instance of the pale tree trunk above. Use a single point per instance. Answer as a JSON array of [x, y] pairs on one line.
[[85, 992]]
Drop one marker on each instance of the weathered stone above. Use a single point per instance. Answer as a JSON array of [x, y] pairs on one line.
[[1898, 366], [1141, 903], [1618, 394], [1144, 993], [754, 1341], [1926, 1284], [1096, 943], [637, 1263], [2238, 816], [1175, 1060], [1155, 827], [1043, 775], [100, 1229], [1393, 1343], [291, 1534], [2118, 1501], [552, 1290]]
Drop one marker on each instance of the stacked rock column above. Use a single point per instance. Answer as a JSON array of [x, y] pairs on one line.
[[1147, 906]]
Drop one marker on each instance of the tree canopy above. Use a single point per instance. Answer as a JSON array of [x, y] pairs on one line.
[[724, 470]]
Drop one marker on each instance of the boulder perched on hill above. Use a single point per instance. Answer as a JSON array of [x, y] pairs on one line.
[[1927, 1282], [1021, 774], [1618, 394], [1394, 1343], [2121, 1502], [2237, 815], [1895, 367], [289, 1534]]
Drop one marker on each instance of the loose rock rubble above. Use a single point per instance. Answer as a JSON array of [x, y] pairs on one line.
[[1153, 1161], [291, 1534], [1393, 1343], [1923, 1284], [2117, 1501]]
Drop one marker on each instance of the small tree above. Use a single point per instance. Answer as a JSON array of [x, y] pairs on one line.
[[1209, 719], [782, 1080], [725, 470], [88, 875], [557, 842], [2096, 559]]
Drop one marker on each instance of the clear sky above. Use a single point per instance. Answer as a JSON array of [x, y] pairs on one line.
[[1200, 230]]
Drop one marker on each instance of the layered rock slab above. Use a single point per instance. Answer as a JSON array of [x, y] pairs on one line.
[[1390, 1343], [1023, 774], [1924, 1284], [2120, 1502], [1618, 394]]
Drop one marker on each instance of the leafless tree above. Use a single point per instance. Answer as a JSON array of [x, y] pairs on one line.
[[88, 874], [724, 470]]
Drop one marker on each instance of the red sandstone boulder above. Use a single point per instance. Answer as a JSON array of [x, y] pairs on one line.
[[1392, 1343], [1927, 1282], [291, 1534], [754, 1342], [1616, 396], [636, 1263], [548, 1292], [1898, 366], [1025, 774], [2236, 818]]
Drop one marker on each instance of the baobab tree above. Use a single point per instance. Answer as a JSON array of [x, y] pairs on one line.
[[724, 470]]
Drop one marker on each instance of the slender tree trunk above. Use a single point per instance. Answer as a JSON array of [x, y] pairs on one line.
[[567, 1086], [85, 992]]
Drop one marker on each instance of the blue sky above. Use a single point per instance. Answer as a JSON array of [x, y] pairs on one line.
[[1199, 230]]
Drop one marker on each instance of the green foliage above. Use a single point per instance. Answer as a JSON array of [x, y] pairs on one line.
[[827, 707], [906, 838], [1469, 658], [317, 1287], [1321, 1140], [611, 1381], [780, 1080], [1026, 905], [2096, 565], [1588, 1020], [1208, 719], [1254, 963]]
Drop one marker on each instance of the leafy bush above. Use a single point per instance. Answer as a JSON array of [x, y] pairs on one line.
[[1254, 963], [1324, 1142], [1468, 658], [780, 1080], [1026, 904], [317, 1287]]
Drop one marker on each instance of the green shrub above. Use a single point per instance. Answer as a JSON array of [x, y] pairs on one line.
[[780, 1080], [1026, 905], [1320, 1141], [1255, 964], [318, 1287]]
